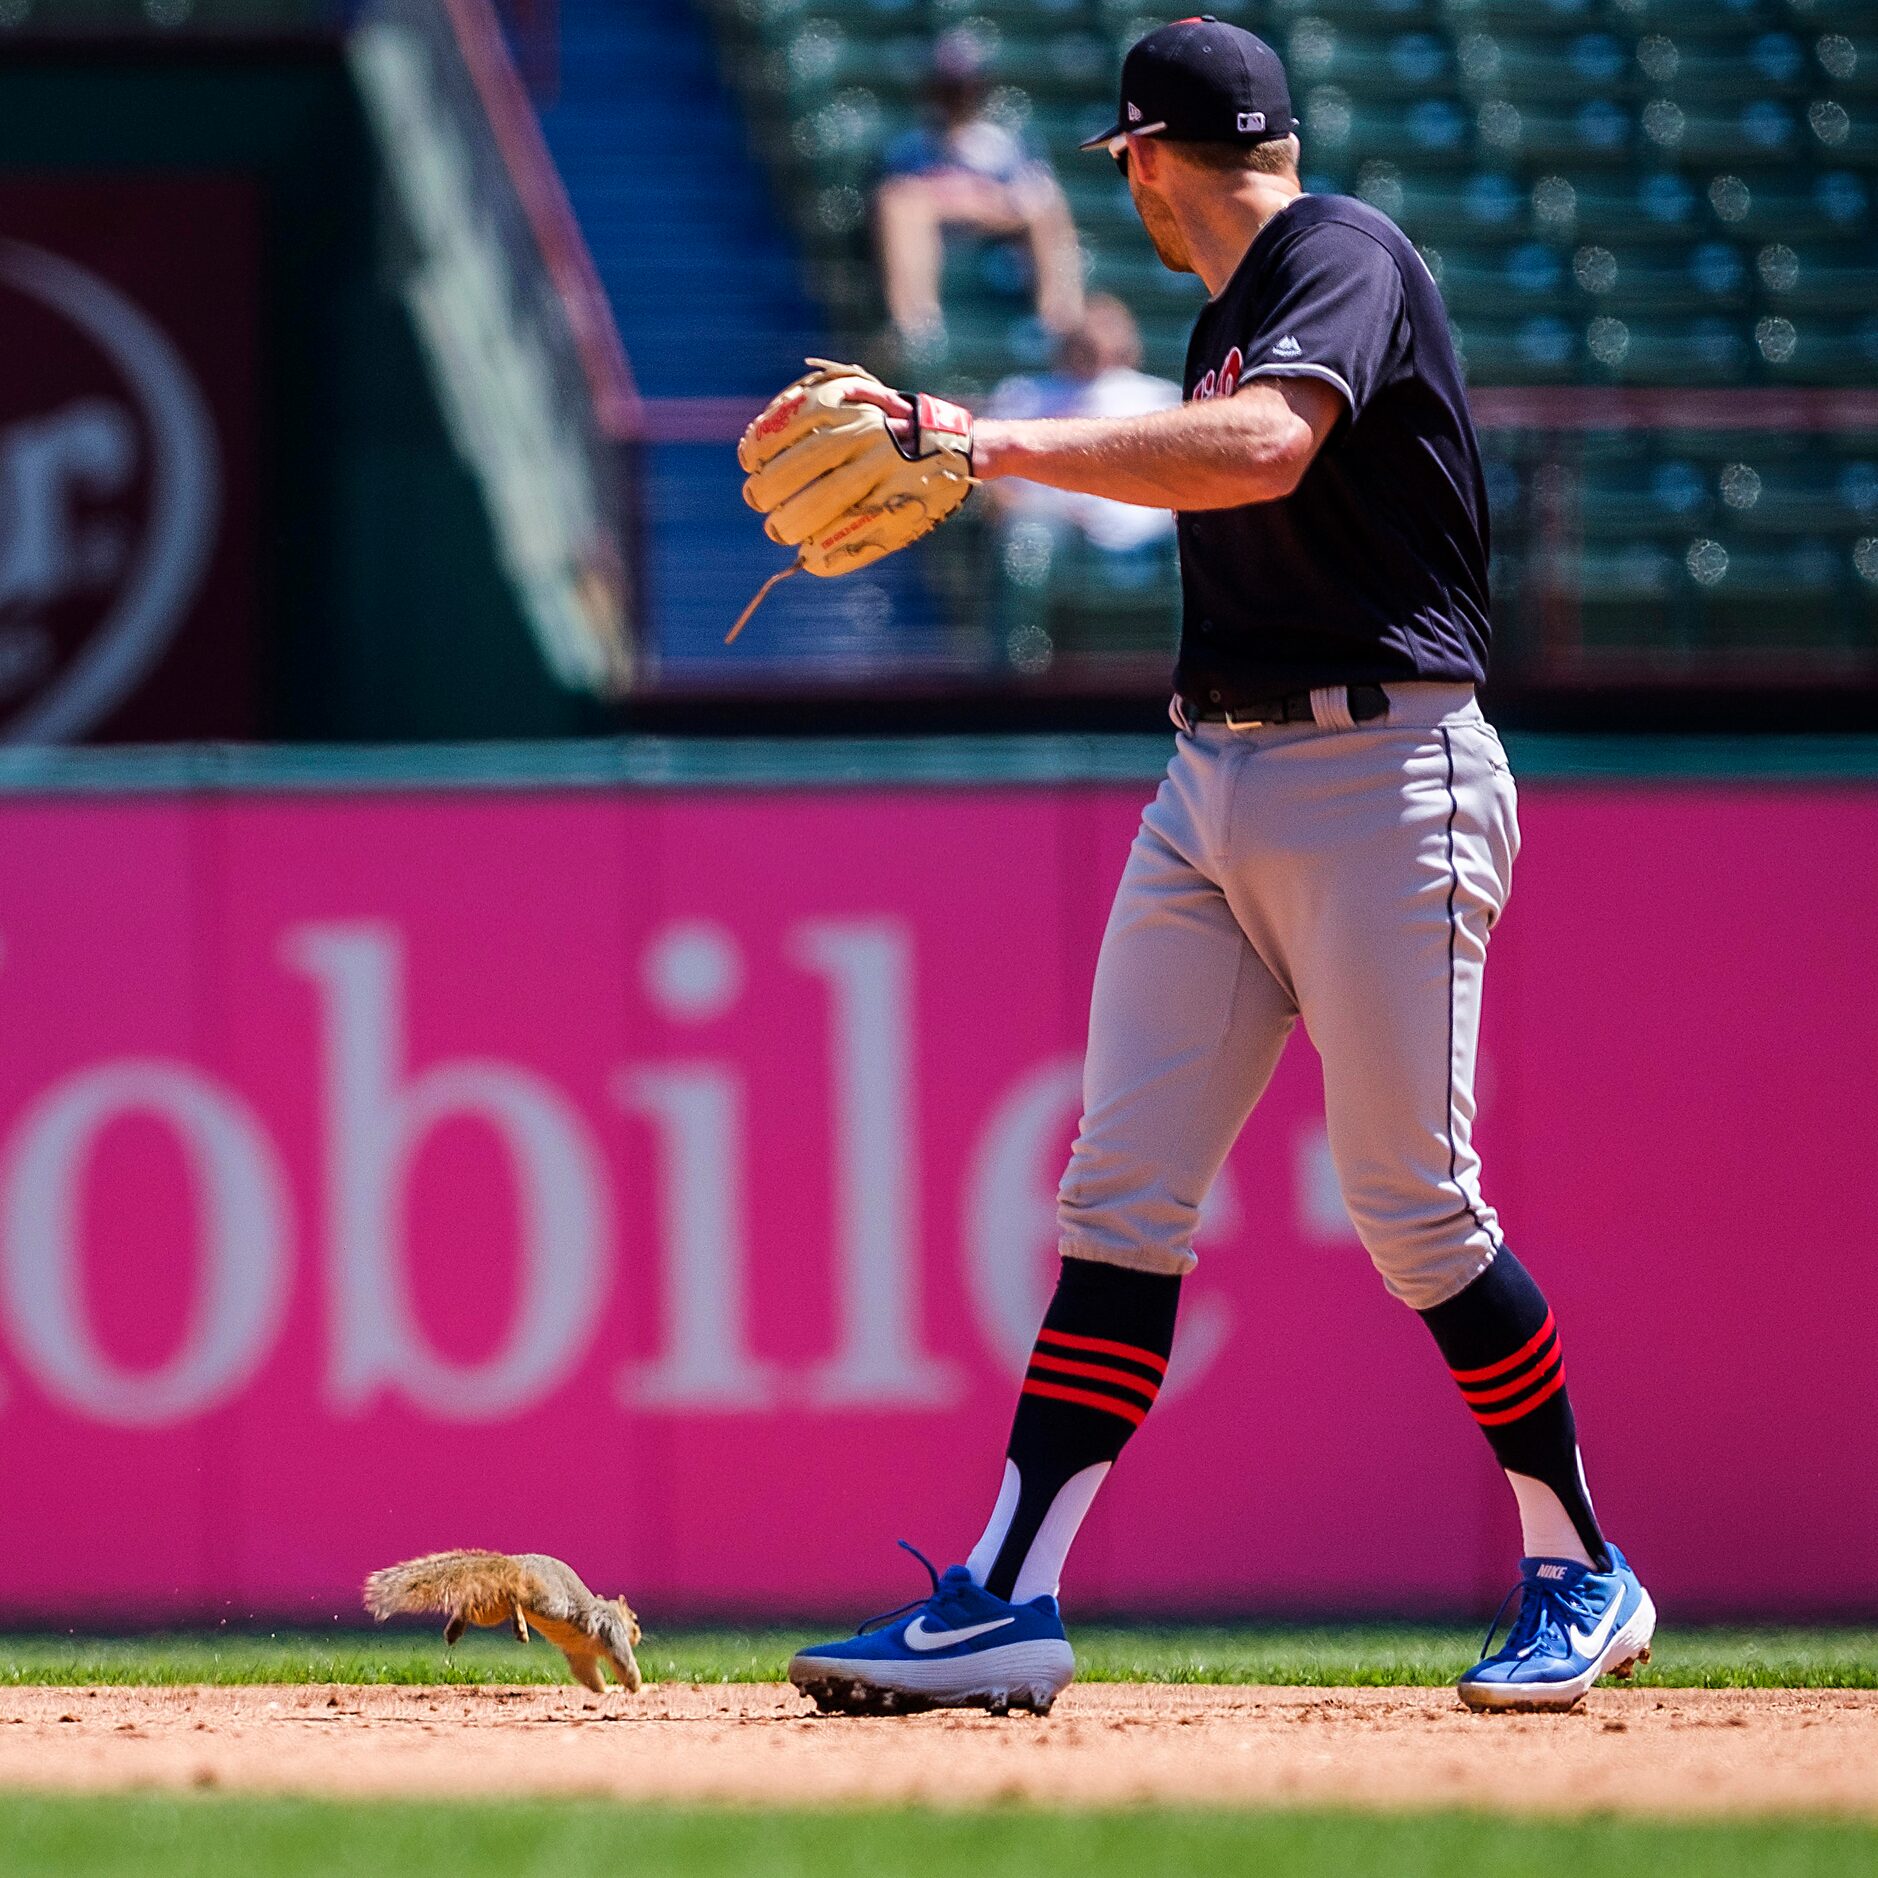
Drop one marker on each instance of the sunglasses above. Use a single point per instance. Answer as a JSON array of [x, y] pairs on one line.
[[1117, 147]]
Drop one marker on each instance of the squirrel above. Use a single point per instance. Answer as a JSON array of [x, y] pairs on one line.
[[490, 1588]]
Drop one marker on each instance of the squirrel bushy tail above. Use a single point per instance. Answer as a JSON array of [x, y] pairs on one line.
[[491, 1588], [468, 1587]]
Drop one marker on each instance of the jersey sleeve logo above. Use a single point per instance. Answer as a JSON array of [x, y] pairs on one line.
[[1287, 348], [1223, 382]]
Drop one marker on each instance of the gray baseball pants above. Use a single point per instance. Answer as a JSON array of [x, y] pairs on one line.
[[1345, 876]]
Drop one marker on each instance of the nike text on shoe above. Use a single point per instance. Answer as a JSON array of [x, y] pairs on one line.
[[958, 1648], [1575, 1624]]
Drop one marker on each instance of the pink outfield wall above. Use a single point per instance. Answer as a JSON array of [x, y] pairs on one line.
[[664, 1180]]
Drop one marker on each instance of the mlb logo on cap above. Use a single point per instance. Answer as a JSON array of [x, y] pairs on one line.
[[1202, 81]]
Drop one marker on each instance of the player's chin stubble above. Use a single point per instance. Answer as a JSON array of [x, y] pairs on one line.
[[1162, 229]]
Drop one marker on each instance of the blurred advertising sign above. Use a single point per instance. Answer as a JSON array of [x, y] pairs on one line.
[[665, 1180], [127, 349]]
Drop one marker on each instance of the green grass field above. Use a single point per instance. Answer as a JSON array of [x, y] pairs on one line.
[[136, 1837], [1372, 1654], [157, 1836]]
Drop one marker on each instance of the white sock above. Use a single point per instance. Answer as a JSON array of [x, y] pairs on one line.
[[1041, 1573], [1546, 1529], [985, 1552]]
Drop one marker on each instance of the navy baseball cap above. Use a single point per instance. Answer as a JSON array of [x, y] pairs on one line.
[[1202, 81]]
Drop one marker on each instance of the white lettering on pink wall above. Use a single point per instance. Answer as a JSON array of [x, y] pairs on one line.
[[244, 1257], [697, 1112], [867, 966], [667, 1178], [377, 1113]]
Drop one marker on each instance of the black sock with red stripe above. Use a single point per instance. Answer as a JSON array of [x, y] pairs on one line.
[[1093, 1376], [1502, 1347]]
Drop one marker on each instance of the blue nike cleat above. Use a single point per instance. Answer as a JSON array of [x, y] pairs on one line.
[[959, 1648], [1575, 1624]]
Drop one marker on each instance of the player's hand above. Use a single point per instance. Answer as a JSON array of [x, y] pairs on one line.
[[898, 408], [986, 434]]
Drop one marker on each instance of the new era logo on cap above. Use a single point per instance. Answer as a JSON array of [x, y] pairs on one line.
[[1134, 114]]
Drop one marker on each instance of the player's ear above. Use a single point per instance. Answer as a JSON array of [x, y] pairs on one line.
[[1147, 158]]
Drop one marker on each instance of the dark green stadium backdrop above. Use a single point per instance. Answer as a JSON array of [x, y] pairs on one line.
[[377, 608]]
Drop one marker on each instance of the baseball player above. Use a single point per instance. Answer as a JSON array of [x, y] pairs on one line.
[[1332, 843]]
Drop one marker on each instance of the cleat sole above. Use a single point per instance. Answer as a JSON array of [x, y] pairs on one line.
[[1026, 1678], [838, 1695], [842, 1696], [1624, 1671]]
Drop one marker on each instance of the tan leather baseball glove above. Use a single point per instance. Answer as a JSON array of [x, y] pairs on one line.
[[835, 480]]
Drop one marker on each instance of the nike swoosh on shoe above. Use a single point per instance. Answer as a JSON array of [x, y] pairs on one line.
[[1589, 1646], [918, 1637]]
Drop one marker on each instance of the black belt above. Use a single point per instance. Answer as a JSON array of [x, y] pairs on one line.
[[1290, 707]]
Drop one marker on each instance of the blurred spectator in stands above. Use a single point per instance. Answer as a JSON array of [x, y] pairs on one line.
[[1052, 545], [963, 170]]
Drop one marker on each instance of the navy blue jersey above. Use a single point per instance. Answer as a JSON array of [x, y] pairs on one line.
[[1375, 566]]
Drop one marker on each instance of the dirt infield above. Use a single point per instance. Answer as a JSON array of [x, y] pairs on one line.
[[1637, 1751]]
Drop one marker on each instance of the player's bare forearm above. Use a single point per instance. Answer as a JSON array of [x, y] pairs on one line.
[[1221, 454]]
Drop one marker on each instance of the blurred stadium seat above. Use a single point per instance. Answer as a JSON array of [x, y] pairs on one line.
[[1671, 193], [710, 301]]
